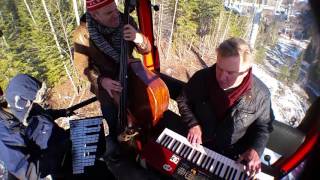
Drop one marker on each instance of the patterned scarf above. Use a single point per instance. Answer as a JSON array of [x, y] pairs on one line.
[[108, 40]]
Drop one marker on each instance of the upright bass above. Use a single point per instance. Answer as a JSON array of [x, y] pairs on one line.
[[144, 96]]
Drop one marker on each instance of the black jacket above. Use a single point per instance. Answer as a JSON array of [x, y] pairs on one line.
[[247, 124]]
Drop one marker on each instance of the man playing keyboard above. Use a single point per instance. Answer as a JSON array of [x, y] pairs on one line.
[[227, 108]]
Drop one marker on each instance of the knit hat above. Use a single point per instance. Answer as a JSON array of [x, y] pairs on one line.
[[21, 92], [96, 4]]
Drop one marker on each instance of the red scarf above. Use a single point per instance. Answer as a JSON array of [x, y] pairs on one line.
[[222, 100]]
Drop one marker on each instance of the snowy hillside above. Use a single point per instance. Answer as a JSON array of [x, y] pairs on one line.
[[289, 103]]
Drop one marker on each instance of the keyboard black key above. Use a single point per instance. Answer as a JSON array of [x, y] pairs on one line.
[[204, 161], [196, 157], [173, 142], [211, 161], [226, 173], [233, 176], [175, 148], [188, 152], [230, 173], [185, 154], [216, 168], [207, 163], [183, 148], [164, 138], [191, 154], [241, 176], [168, 142], [221, 166]]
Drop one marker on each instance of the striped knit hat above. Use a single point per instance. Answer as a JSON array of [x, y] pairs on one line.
[[96, 4]]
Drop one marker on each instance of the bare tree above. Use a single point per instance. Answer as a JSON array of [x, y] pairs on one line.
[[70, 77], [69, 49], [84, 6], [76, 12], [2, 35], [57, 42], [29, 10], [52, 27], [65, 34], [160, 25], [209, 44], [5, 42], [226, 29], [247, 27], [218, 32], [172, 26], [159, 30]]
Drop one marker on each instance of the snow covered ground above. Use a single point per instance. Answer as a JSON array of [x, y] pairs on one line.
[[288, 106], [289, 103]]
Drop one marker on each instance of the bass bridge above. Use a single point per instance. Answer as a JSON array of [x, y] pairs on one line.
[[128, 134]]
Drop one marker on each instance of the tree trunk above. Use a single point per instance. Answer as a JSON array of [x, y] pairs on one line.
[[218, 33], [84, 6], [75, 9], [203, 44], [5, 42], [172, 26], [65, 35], [247, 28], [69, 48], [159, 26], [190, 45], [52, 28], [227, 28], [210, 43], [2, 35], [29, 10], [69, 76]]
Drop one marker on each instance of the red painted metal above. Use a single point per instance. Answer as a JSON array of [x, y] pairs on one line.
[[302, 152], [144, 12]]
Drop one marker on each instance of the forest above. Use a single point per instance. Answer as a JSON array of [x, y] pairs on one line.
[[37, 33], [37, 38]]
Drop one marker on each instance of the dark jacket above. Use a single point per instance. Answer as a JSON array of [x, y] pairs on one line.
[[92, 64], [248, 122], [29, 138], [13, 149]]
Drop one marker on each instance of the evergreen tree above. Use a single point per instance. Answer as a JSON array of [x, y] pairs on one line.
[[238, 25], [186, 26], [295, 69], [14, 57], [32, 49], [207, 12]]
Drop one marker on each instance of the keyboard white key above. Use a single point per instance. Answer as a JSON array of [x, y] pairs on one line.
[[200, 159]]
